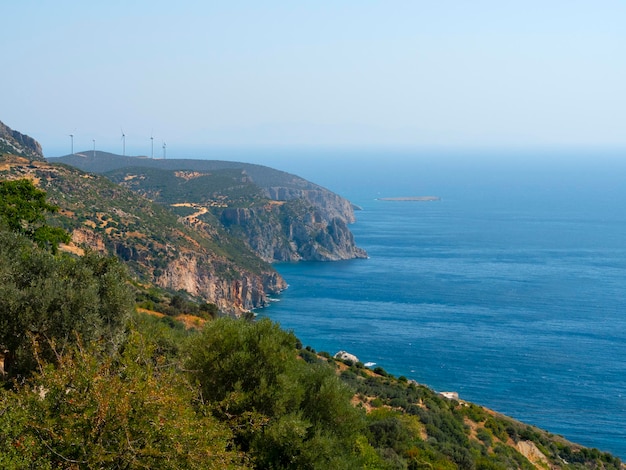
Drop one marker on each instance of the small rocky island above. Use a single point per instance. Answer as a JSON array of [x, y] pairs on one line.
[[411, 198]]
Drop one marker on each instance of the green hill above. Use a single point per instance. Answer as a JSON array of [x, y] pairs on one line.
[[279, 216], [153, 241]]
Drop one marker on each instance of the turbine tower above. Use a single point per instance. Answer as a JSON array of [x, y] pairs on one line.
[[151, 147], [72, 140], [94, 148], [164, 148], [123, 143]]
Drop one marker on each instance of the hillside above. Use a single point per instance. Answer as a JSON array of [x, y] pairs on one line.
[[152, 241], [280, 216]]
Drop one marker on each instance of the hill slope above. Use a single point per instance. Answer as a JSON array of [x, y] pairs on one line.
[[151, 240], [280, 216]]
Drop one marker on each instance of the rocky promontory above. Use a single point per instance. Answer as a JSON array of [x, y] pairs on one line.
[[278, 215]]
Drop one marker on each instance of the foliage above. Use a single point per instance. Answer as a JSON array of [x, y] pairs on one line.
[[94, 390], [225, 186], [47, 301], [22, 210], [286, 413], [173, 304], [127, 411]]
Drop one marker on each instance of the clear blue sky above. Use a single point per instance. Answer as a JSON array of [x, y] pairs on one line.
[[309, 73]]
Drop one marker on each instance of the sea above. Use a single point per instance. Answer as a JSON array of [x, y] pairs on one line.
[[510, 289]]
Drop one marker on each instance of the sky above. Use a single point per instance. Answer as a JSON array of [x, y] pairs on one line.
[[200, 75]]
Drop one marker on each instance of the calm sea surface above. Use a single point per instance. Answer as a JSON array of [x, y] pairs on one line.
[[510, 290]]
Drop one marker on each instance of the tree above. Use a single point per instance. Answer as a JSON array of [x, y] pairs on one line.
[[48, 301], [284, 412], [23, 208]]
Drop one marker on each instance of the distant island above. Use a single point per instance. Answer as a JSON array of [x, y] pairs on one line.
[[411, 198]]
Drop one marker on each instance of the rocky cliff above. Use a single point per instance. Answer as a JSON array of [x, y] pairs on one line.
[[280, 216], [16, 143], [292, 231], [153, 243]]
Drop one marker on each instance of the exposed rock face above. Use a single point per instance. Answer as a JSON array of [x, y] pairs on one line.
[[197, 276], [529, 450], [346, 356], [109, 219], [329, 204], [233, 289], [89, 238], [292, 231], [304, 221], [19, 144]]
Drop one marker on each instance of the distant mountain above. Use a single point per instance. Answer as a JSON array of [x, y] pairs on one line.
[[280, 216], [15, 143]]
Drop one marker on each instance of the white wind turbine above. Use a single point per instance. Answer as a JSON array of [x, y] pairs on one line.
[[164, 149], [72, 140], [123, 143]]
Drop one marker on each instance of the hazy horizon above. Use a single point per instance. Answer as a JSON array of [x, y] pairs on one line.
[[399, 74]]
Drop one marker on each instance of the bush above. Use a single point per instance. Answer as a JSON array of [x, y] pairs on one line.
[[47, 302], [285, 412]]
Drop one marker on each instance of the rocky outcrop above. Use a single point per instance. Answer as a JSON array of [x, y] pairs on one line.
[[292, 231], [329, 205], [89, 238], [197, 275], [346, 356], [303, 221], [16, 143], [106, 218], [216, 280], [529, 450]]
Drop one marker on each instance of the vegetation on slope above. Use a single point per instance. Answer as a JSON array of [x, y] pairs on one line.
[[218, 188], [281, 217], [147, 237]]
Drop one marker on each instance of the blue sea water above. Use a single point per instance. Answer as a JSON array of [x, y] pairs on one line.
[[510, 290]]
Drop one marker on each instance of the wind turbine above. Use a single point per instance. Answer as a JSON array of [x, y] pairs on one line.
[[94, 148], [123, 143], [151, 146], [164, 148], [72, 140]]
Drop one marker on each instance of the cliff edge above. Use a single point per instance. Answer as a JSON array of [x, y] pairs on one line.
[[16, 143], [280, 216]]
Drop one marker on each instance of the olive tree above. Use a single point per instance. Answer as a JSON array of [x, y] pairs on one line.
[[48, 302]]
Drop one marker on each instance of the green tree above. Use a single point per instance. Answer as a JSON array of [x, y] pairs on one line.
[[284, 412], [49, 301], [23, 208]]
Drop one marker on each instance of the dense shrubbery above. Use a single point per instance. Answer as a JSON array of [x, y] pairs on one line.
[[47, 302], [174, 304], [120, 411], [285, 413]]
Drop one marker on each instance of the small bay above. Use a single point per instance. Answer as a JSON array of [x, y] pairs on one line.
[[510, 289]]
